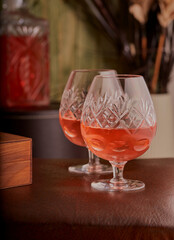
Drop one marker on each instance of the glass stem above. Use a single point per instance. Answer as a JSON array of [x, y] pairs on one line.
[[93, 159], [118, 172]]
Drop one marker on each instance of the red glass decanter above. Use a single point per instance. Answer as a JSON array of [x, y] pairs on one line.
[[24, 63]]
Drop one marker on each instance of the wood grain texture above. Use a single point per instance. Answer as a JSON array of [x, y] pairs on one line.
[[15, 160], [8, 138]]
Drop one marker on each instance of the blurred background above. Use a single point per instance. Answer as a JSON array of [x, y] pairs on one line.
[[124, 35], [76, 41], [131, 36], [106, 34]]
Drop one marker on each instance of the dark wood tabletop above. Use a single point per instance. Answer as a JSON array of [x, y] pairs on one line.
[[62, 205]]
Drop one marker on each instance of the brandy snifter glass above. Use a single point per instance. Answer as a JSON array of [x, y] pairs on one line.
[[118, 124], [70, 111]]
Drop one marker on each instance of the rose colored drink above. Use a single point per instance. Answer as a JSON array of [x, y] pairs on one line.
[[71, 128], [118, 144]]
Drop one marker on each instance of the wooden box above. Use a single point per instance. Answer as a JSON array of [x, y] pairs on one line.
[[15, 160]]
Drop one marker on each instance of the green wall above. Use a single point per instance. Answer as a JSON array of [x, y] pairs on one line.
[[74, 42]]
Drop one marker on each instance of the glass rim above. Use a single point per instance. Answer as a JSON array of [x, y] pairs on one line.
[[120, 76], [93, 70]]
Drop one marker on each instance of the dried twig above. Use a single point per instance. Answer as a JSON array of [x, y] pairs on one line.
[[144, 44], [158, 62], [165, 17]]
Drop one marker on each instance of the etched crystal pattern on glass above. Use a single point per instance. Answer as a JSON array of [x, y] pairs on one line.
[[72, 103], [118, 111]]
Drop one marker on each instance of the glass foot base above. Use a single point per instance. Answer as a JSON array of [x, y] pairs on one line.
[[91, 169], [108, 185]]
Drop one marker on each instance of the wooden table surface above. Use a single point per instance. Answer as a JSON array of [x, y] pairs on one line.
[[62, 205]]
